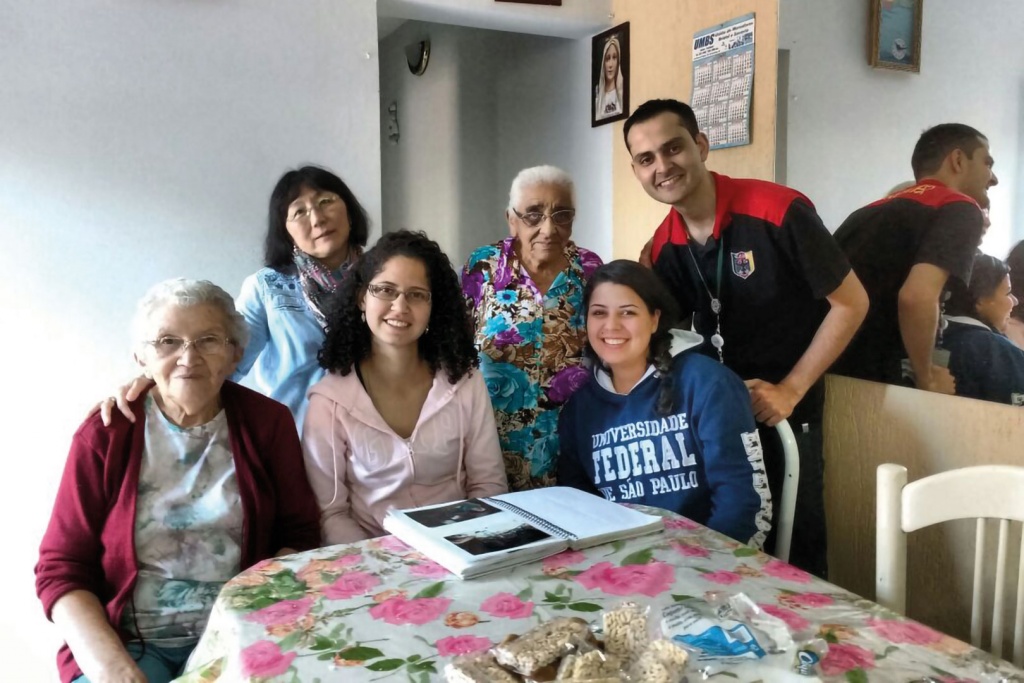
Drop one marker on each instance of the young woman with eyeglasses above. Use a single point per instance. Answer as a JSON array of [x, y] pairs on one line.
[[316, 230], [403, 418]]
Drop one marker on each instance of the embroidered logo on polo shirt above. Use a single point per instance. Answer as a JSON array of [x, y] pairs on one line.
[[742, 263]]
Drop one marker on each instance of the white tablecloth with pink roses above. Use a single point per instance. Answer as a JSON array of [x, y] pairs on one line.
[[379, 611]]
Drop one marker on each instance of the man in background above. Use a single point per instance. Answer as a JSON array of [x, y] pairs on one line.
[[905, 248]]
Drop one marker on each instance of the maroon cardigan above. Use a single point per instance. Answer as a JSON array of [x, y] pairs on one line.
[[90, 541]]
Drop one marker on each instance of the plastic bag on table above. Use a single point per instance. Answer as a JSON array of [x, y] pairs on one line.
[[740, 607], [594, 666], [714, 644], [536, 653], [477, 668], [626, 630], [662, 661]]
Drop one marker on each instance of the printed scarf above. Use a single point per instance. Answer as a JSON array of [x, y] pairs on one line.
[[319, 282]]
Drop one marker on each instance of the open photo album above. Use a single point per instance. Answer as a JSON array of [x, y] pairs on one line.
[[480, 535]]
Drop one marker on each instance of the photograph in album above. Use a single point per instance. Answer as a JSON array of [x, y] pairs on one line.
[[473, 537], [452, 513]]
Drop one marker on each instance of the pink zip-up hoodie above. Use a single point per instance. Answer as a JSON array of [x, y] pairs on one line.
[[359, 467]]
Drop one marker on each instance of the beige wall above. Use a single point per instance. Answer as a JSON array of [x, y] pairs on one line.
[[661, 38], [867, 424]]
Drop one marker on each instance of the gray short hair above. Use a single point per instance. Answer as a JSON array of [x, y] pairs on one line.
[[540, 175], [184, 292]]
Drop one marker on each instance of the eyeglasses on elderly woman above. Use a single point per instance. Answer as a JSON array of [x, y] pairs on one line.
[[207, 345], [562, 218]]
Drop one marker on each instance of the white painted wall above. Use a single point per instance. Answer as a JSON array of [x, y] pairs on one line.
[[490, 104], [852, 128], [544, 101], [437, 178], [140, 141]]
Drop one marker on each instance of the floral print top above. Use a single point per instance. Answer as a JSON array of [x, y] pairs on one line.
[[188, 528], [530, 345]]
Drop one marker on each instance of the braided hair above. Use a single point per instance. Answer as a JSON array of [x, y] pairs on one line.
[[656, 298]]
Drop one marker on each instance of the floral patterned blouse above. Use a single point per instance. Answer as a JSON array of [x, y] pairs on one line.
[[530, 345]]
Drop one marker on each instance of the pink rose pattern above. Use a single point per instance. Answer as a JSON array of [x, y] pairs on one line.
[[808, 600], [843, 657], [264, 659], [701, 553], [506, 605], [690, 550], [392, 545], [284, 612], [351, 584], [794, 621], [348, 561], [564, 559], [722, 577], [681, 523], [461, 645], [429, 570], [418, 611], [786, 572], [649, 579], [899, 631]]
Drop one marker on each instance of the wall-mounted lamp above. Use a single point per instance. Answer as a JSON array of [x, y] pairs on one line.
[[416, 56]]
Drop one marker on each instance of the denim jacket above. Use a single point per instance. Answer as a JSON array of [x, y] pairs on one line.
[[284, 339]]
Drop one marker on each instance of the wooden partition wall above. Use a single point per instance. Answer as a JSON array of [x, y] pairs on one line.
[[867, 424]]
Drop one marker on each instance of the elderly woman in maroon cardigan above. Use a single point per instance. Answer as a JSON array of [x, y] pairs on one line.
[[153, 516]]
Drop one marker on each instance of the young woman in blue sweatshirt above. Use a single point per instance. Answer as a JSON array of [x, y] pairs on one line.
[[658, 423]]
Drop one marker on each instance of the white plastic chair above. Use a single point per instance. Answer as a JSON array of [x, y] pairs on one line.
[[982, 492], [787, 502]]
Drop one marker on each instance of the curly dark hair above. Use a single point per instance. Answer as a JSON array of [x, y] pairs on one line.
[[277, 245], [448, 342], [650, 289]]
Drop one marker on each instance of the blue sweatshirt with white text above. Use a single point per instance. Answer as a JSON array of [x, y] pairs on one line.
[[702, 461]]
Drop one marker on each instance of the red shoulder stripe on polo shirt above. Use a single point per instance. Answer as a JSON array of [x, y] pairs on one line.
[[929, 193], [759, 199], [671, 231]]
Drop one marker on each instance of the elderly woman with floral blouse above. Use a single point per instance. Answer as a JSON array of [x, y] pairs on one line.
[[526, 297]]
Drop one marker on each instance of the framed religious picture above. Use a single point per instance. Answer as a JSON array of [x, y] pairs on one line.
[[895, 34], [609, 76]]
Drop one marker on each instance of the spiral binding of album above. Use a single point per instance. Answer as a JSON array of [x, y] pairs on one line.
[[539, 522]]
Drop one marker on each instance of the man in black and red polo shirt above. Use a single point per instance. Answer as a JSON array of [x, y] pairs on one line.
[[765, 284], [906, 246]]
